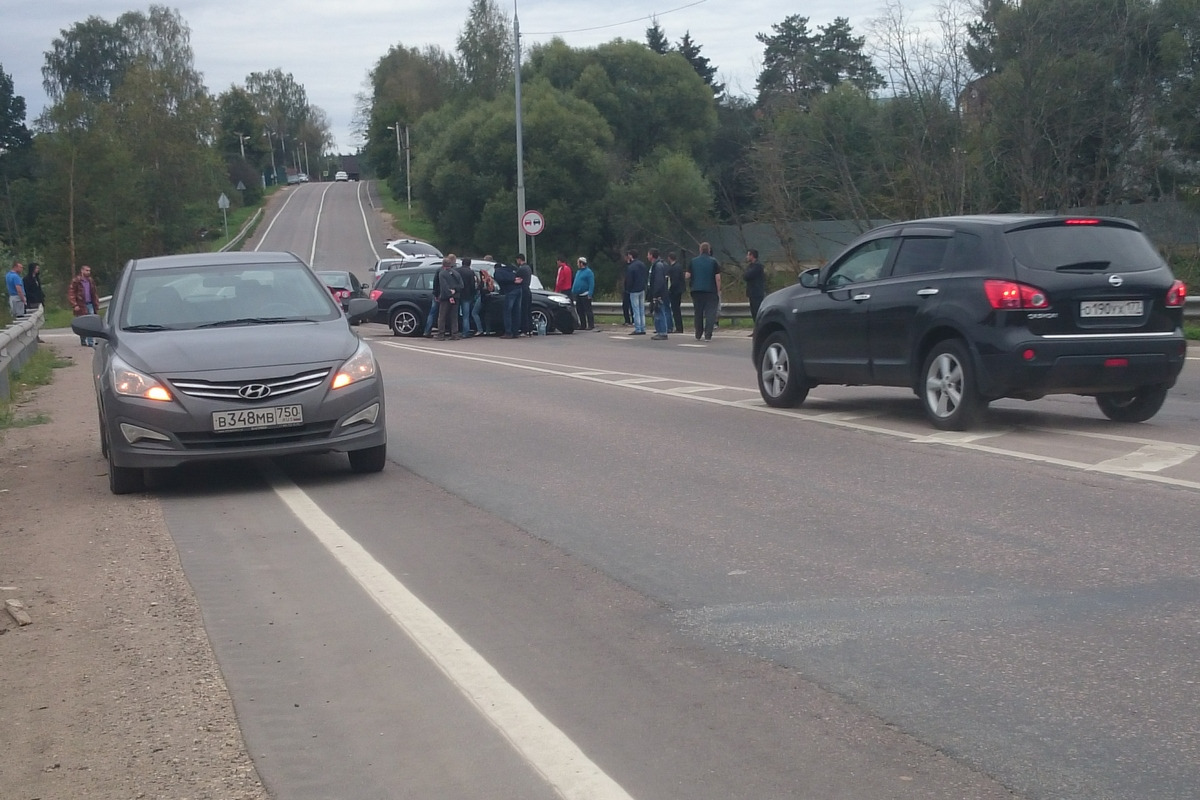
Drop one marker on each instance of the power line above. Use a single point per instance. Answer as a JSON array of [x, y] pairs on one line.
[[615, 24]]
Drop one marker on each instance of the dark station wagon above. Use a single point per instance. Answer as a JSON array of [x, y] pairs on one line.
[[966, 310]]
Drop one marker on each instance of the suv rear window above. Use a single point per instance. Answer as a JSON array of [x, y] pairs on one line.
[[1054, 246]]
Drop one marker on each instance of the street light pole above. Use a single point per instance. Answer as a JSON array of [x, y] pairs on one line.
[[271, 144], [241, 143], [521, 240], [407, 149]]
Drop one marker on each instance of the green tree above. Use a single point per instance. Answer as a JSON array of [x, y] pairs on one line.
[[798, 65], [485, 50], [656, 38], [15, 146], [691, 51]]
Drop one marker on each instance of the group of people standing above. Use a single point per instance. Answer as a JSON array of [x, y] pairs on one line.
[[25, 292], [661, 286]]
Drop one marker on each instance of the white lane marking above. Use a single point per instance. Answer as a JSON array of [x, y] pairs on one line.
[[1151, 458], [366, 225], [312, 253], [546, 748], [970, 442], [274, 219]]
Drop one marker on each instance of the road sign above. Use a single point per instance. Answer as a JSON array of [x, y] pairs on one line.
[[533, 222], [222, 201]]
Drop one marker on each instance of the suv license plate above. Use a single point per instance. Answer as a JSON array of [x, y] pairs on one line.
[[1110, 308], [250, 419]]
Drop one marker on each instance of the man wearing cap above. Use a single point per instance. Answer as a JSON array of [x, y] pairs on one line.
[[583, 288]]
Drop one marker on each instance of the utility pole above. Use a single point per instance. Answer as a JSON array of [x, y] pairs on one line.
[[241, 143], [407, 148], [520, 144], [271, 144]]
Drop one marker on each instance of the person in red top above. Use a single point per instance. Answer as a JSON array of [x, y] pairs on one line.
[[564, 280]]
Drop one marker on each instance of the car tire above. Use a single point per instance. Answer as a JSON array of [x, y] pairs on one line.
[[781, 380], [1137, 406], [540, 316], [948, 392], [369, 459], [124, 480], [405, 322]]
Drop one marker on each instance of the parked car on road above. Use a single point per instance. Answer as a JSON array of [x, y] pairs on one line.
[[412, 248], [404, 296], [343, 285], [215, 356], [340, 176], [966, 310]]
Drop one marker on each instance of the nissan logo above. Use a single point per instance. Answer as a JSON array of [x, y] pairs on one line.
[[1115, 280], [254, 391]]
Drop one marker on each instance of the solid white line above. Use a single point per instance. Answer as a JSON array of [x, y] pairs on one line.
[[274, 219], [546, 748], [969, 442], [312, 254]]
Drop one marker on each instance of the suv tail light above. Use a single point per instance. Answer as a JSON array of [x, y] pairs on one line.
[[375, 293], [1010, 294], [1176, 295]]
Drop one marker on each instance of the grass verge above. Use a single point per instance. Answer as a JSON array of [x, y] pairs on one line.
[[38, 371]]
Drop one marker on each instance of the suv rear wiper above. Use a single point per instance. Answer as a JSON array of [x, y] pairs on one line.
[[1085, 266]]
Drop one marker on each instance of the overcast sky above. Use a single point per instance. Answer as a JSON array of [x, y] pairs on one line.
[[329, 47]]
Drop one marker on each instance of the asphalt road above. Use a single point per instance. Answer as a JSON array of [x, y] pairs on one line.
[[599, 566]]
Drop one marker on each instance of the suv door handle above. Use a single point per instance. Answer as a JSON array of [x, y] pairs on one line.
[[926, 292], [858, 298]]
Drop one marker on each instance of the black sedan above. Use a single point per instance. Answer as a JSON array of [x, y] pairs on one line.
[[404, 296]]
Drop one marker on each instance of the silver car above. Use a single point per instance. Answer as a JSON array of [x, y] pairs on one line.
[[226, 356]]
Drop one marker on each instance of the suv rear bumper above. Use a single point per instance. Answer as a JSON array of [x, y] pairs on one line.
[[1082, 365]]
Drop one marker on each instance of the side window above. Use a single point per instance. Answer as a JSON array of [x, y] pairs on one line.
[[967, 252], [864, 264], [919, 254]]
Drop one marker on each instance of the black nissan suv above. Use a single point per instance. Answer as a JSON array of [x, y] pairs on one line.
[[966, 310]]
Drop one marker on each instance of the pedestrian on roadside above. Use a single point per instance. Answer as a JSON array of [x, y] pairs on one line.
[[675, 274], [704, 277], [659, 295], [16, 289], [84, 298], [635, 285], [626, 307], [35, 296], [563, 282], [583, 288], [449, 289], [484, 288], [755, 277], [435, 306], [467, 298], [510, 294], [525, 282]]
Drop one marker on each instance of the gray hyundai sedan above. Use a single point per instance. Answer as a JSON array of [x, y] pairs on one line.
[[226, 356]]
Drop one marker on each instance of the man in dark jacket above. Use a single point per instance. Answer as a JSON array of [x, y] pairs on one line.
[[635, 284], [468, 297], [675, 273], [755, 277], [510, 292], [658, 295], [524, 279], [449, 288], [704, 276]]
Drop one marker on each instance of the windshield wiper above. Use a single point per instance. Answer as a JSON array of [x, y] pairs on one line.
[[224, 323], [150, 326], [1085, 266]]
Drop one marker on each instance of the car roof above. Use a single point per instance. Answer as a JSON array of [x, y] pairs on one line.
[[236, 258]]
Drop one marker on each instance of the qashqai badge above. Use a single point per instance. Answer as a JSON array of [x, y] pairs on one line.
[[1115, 280], [254, 391]]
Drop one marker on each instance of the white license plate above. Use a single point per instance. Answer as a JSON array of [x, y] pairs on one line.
[[250, 419], [1110, 308]]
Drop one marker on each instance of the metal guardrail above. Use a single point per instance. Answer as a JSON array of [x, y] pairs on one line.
[[242, 233], [1191, 310], [18, 343]]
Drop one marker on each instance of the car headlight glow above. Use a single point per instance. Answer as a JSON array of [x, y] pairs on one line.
[[359, 366], [562, 300], [129, 382]]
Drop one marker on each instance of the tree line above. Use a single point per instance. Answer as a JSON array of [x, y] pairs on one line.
[[1003, 106]]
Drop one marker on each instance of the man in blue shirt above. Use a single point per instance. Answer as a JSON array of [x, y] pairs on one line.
[[583, 289], [635, 284], [704, 276], [16, 290]]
